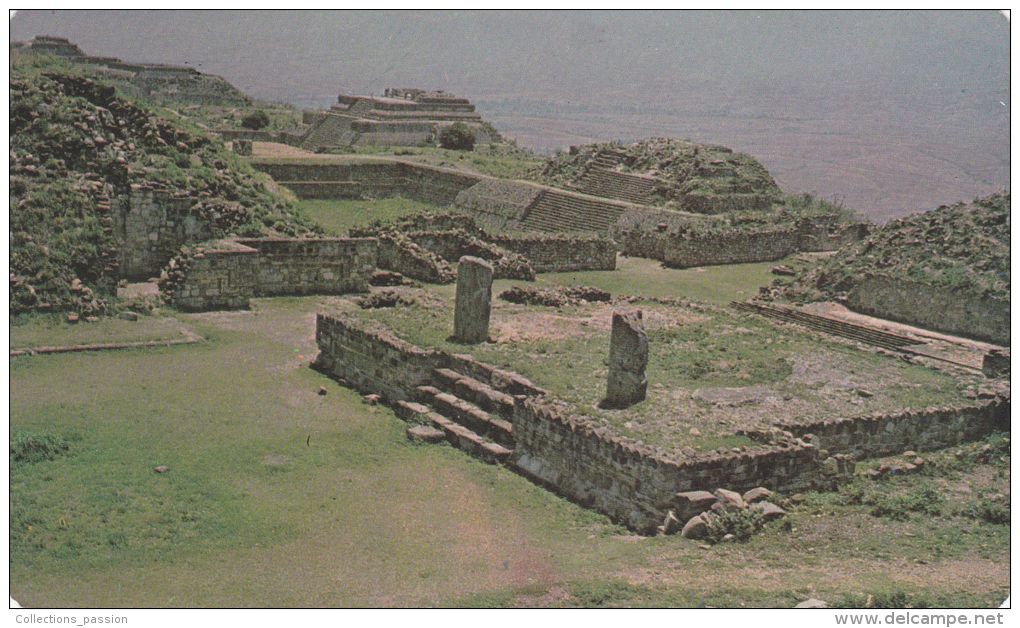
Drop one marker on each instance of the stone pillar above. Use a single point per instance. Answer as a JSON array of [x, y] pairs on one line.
[[474, 296], [628, 357]]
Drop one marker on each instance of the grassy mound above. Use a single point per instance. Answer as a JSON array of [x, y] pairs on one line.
[[77, 143], [962, 246], [702, 178]]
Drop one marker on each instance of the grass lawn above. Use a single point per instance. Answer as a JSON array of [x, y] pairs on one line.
[[337, 217], [39, 331], [277, 496]]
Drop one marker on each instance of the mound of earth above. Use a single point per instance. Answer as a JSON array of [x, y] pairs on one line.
[[554, 297], [958, 247], [76, 145], [701, 178]]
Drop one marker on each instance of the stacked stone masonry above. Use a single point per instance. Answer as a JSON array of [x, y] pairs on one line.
[[151, 225], [632, 483], [933, 307], [227, 274], [887, 434]]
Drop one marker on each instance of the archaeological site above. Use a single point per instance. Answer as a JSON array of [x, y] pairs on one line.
[[248, 338]]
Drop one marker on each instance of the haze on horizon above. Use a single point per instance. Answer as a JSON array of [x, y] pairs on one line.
[[894, 112]]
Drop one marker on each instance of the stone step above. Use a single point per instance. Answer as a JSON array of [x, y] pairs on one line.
[[412, 412], [469, 441], [479, 393], [471, 416]]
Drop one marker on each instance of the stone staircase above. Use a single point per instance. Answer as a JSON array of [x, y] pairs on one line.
[[554, 210], [860, 333], [633, 188], [472, 415]]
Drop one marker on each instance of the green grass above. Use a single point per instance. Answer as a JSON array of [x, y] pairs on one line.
[[38, 331], [497, 161], [647, 278], [337, 217], [278, 496]]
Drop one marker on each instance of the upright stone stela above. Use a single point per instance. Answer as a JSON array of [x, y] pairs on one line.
[[628, 357], [474, 296]]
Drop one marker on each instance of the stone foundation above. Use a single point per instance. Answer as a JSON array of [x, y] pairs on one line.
[[893, 433], [631, 483], [228, 273], [932, 307]]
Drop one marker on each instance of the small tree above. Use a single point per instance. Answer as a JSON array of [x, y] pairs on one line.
[[255, 120], [457, 136]]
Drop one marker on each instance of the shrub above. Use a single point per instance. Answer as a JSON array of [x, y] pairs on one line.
[[741, 523], [457, 136], [255, 120], [27, 447]]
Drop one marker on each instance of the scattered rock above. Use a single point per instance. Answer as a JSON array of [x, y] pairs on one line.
[[671, 525], [322, 391], [728, 538], [691, 503], [425, 434], [769, 511], [695, 528], [730, 498], [371, 399], [128, 316], [161, 469], [757, 494], [695, 431], [812, 603], [72, 318], [783, 270]]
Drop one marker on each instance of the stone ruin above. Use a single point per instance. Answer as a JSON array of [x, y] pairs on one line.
[[474, 297], [628, 357]]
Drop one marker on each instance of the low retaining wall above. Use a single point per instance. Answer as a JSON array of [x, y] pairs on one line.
[[369, 179], [549, 253], [228, 273], [313, 266], [223, 276], [371, 358], [631, 483], [636, 485], [893, 433], [678, 248], [932, 307]]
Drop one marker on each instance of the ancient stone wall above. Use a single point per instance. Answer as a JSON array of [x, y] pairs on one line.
[[370, 358], [228, 273], [313, 265], [956, 311], [892, 433], [498, 204], [221, 277], [151, 226], [684, 249], [634, 484], [373, 179], [558, 253]]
